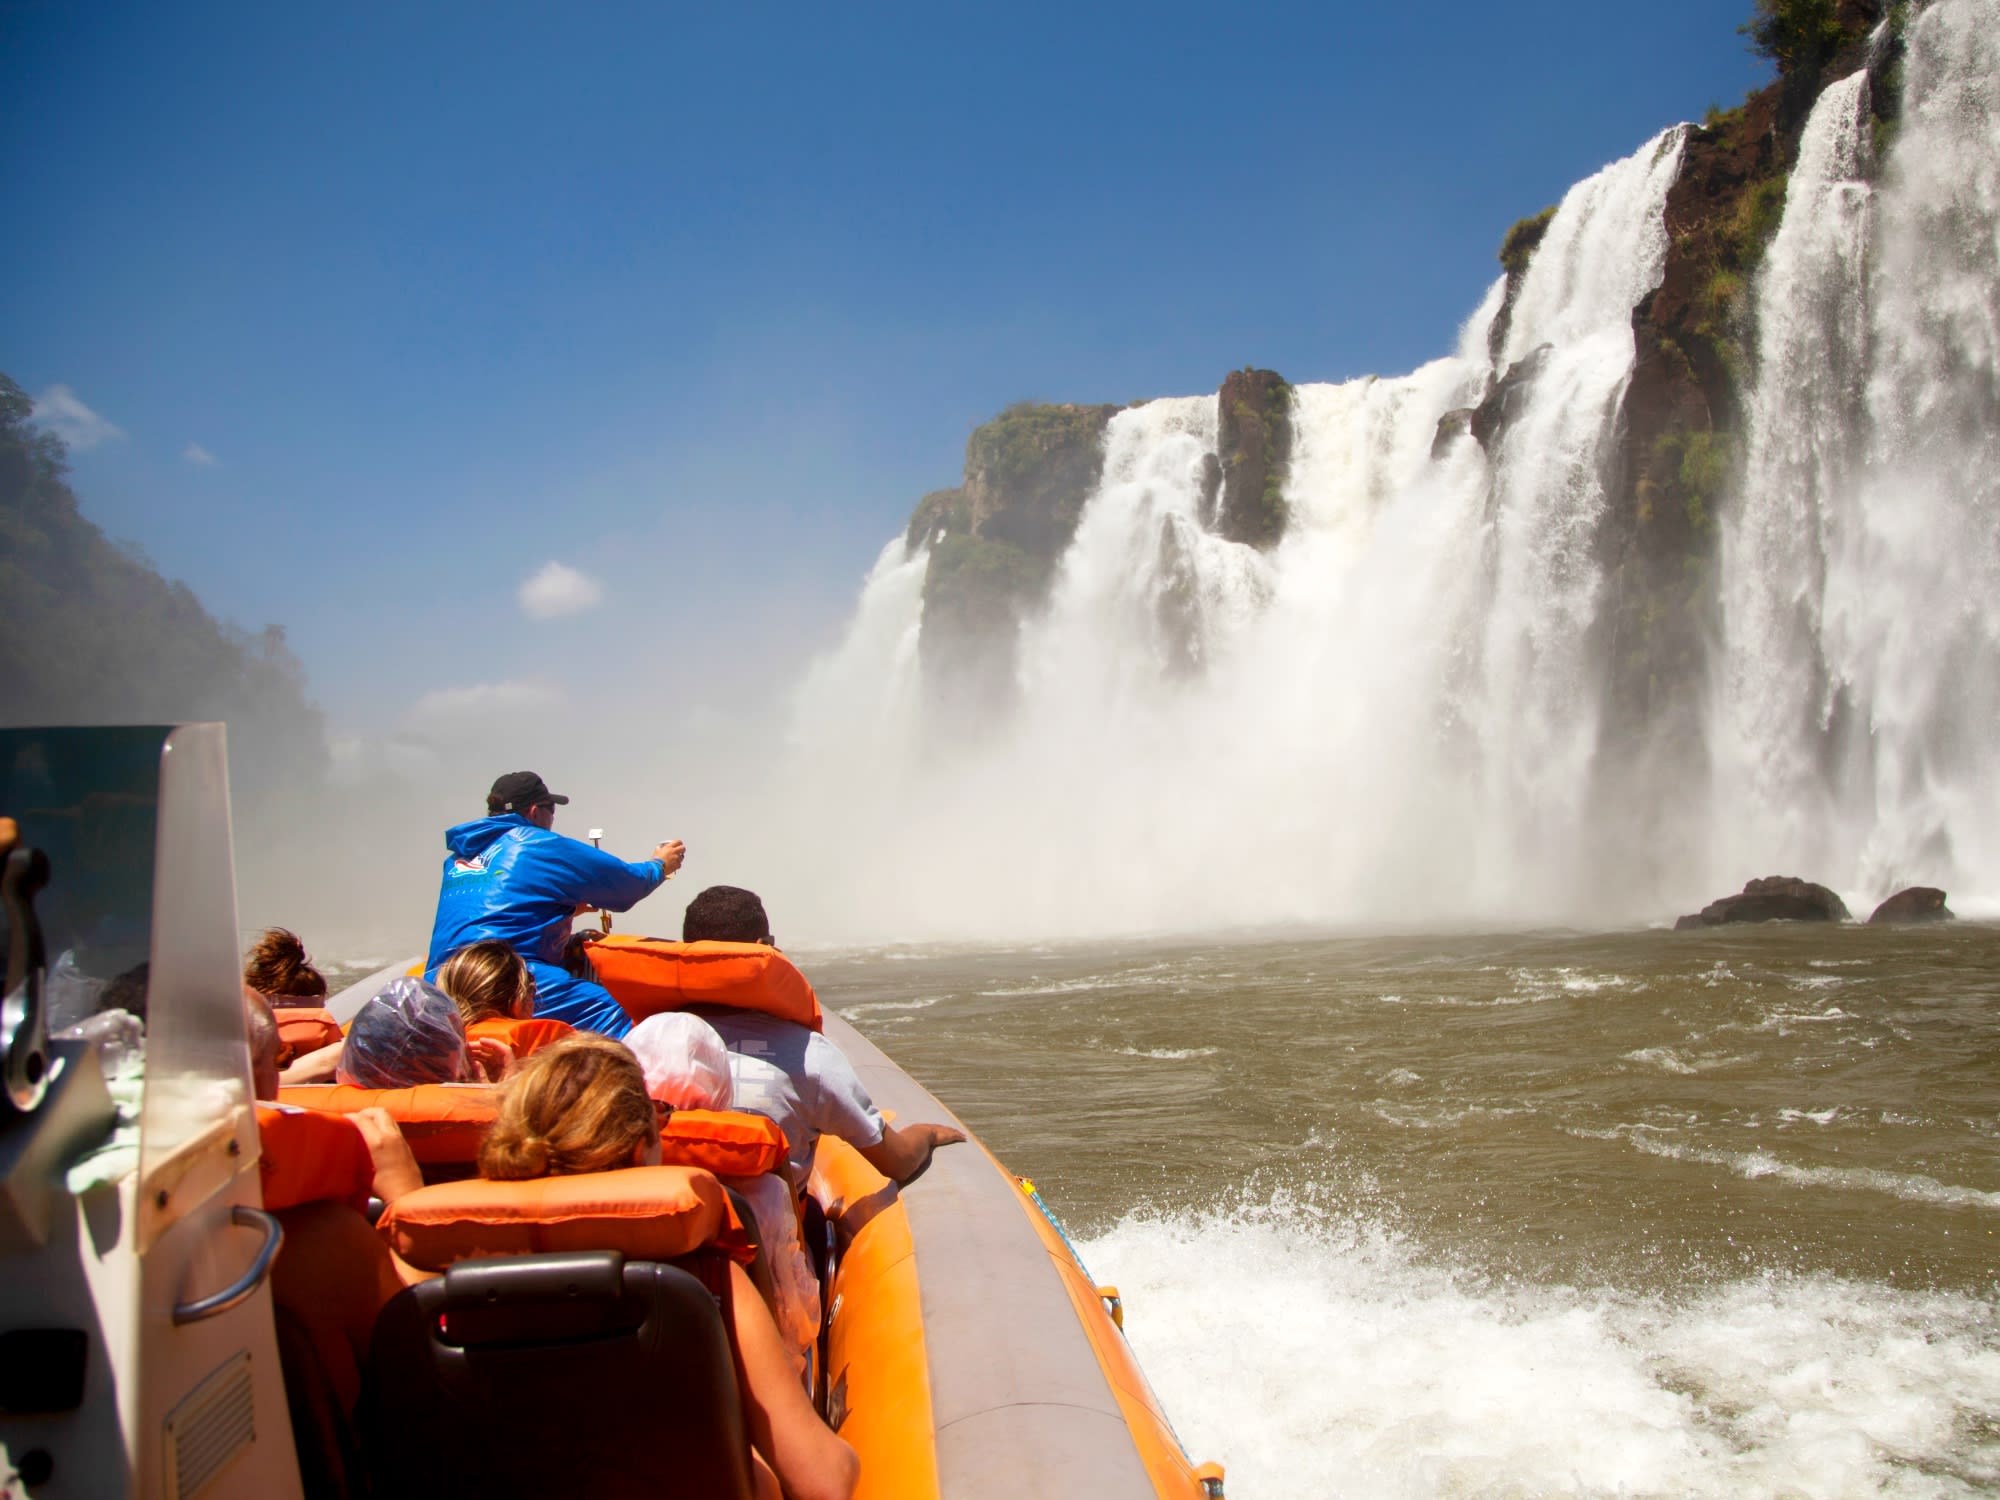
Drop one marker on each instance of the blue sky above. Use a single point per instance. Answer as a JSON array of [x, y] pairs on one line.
[[382, 310]]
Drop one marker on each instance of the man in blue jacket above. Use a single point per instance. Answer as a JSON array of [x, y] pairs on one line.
[[510, 876]]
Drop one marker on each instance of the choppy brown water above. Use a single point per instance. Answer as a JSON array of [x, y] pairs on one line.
[[1622, 1214], [1639, 1107]]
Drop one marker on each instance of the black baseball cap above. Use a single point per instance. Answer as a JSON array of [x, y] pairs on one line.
[[518, 791]]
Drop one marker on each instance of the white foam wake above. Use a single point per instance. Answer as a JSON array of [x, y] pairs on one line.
[[1315, 1355]]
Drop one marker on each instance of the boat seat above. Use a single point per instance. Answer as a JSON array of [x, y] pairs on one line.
[[574, 1373]]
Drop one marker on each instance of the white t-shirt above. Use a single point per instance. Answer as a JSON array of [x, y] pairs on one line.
[[798, 1078]]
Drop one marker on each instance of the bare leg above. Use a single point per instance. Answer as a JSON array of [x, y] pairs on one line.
[[811, 1462]]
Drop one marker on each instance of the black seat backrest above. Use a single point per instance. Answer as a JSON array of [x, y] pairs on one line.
[[554, 1375]]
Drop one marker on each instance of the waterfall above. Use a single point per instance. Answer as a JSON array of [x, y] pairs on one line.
[[1392, 711], [1396, 713], [1860, 565]]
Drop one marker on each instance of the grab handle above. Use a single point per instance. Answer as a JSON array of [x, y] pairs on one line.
[[238, 1291], [24, 1032]]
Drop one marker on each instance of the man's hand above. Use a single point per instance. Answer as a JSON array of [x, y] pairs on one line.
[[670, 854], [904, 1152]]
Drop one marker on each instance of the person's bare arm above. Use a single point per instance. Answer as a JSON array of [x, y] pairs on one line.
[[905, 1150], [315, 1067], [396, 1170]]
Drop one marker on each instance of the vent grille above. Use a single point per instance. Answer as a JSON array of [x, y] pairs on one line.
[[215, 1423]]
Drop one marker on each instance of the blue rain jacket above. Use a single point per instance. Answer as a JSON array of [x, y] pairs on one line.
[[507, 879]]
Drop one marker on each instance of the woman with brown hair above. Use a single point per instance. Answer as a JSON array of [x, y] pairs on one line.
[[582, 1106], [278, 968]]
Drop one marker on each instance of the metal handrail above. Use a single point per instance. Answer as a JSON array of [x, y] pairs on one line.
[[240, 1290]]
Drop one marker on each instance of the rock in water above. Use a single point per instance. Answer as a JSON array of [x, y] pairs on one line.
[[1775, 898], [1917, 903]]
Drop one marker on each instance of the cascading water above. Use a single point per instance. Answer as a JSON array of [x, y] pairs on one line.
[[1394, 710], [1860, 577], [1396, 713]]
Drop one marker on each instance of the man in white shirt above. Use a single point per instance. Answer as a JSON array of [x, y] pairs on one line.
[[793, 1074]]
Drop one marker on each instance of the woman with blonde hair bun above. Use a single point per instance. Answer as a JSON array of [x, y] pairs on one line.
[[581, 1106], [490, 983]]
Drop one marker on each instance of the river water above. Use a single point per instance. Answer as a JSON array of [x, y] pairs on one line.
[[1516, 1214]]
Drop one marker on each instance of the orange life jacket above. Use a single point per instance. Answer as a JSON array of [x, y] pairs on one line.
[[303, 1029], [306, 1156], [649, 975], [727, 1142], [445, 1123], [525, 1037]]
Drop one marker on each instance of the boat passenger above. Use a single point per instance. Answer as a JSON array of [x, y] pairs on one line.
[[791, 1072], [687, 1067], [411, 1034], [278, 967], [266, 1047], [581, 1106], [395, 1166], [488, 981], [510, 876], [333, 1273]]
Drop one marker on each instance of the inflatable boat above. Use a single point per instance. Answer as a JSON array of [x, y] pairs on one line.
[[965, 1350]]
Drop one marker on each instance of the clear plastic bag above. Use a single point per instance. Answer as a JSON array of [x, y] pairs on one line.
[[120, 1038], [408, 1034]]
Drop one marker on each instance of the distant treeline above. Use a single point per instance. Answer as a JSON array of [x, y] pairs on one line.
[[92, 634]]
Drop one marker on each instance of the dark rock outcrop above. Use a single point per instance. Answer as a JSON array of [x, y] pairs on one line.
[[1917, 903], [1452, 426], [1211, 490], [1504, 402], [1256, 443], [994, 543], [1775, 898], [1028, 472]]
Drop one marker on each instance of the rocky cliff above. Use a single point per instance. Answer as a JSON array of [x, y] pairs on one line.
[[1682, 413], [995, 539]]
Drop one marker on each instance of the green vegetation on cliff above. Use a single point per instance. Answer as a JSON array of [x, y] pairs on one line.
[[89, 633], [941, 511], [1029, 471], [995, 539], [1522, 239], [1797, 35]]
